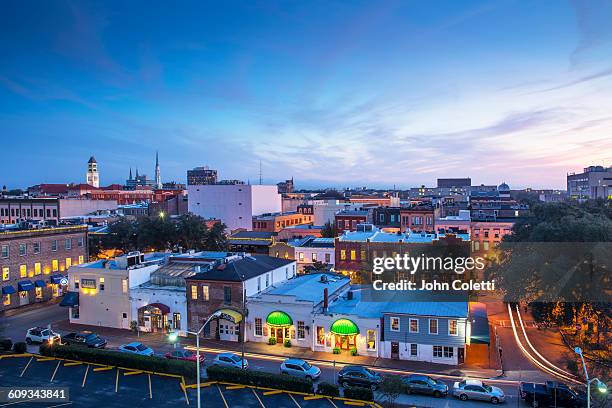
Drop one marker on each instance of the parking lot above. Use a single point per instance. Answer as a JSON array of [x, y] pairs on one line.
[[91, 386]]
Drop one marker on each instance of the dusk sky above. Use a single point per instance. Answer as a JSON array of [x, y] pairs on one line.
[[332, 93]]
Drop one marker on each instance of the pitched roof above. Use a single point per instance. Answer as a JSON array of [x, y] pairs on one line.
[[243, 269]]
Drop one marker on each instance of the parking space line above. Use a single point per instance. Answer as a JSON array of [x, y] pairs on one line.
[[132, 372], [55, 371], [356, 404], [296, 403], [150, 388], [313, 397], [85, 376], [60, 405], [182, 384], [222, 396], [258, 399], [40, 360], [15, 355], [235, 387], [117, 380], [332, 402], [15, 402], [26, 367], [72, 363], [103, 368], [273, 392]]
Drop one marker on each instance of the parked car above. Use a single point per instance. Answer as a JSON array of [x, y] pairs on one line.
[[551, 393], [477, 390], [41, 335], [300, 368], [182, 354], [84, 339], [230, 360], [423, 384], [136, 348], [358, 376]]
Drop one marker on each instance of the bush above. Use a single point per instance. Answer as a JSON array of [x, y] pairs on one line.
[[124, 360], [287, 343], [271, 341], [336, 350], [6, 344], [259, 379], [353, 351], [20, 347], [331, 390], [359, 393]]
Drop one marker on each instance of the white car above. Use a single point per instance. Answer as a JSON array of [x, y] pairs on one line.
[[41, 335], [230, 360], [136, 348], [477, 390], [300, 368]]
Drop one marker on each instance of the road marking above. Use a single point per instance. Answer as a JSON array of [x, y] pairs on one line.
[[132, 372], [235, 387], [26, 367], [296, 403], [332, 402], [72, 363], [150, 388], [85, 376], [357, 404], [222, 396], [55, 371], [313, 397], [40, 360], [273, 392], [103, 368], [60, 405], [258, 399], [117, 381], [16, 402], [182, 384]]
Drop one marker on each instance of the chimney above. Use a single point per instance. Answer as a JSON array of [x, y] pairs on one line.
[[325, 300], [349, 295]]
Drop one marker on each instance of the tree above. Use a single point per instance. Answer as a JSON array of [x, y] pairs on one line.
[[328, 230], [192, 232], [391, 387], [121, 235], [216, 240]]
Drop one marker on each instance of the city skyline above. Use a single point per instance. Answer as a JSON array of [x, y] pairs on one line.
[[378, 94]]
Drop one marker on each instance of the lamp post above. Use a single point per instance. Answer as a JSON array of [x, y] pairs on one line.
[[197, 334], [601, 386]]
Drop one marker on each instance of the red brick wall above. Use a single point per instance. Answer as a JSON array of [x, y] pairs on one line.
[[199, 310]]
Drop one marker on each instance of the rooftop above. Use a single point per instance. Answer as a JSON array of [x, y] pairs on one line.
[[374, 234], [243, 268], [308, 287], [352, 213]]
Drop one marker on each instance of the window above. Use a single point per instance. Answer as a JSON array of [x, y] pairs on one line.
[[23, 249], [205, 293], [327, 258], [68, 262], [53, 244], [320, 335], [259, 284], [476, 246], [258, 327], [433, 326], [395, 324], [38, 292], [414, 325], [5, 251], [371, 340], [301, 256], [76, 284], [301, 334], [314, 257], [485, 245], [54, 265], [194, 292], [353, 254], [363, 255], [448, 352], [81, 259], [36, 247], [267, 280], [176, 321], [101, 283], [453, 328], [37, 268], [6, 300], [227, 294], [68, 243], [124, 285], [88, 283], [414, 348], [80, 241], [5, 273], [23, 271], [437, 351], [343, 254]]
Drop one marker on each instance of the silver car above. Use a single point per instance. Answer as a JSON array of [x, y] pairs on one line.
[[477, 390], [300, 368], [230, 360]]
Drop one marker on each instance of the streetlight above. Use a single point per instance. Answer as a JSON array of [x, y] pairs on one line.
[[197, 334], [601, 386], [172, 337]]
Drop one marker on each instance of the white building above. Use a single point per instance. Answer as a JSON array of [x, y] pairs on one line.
[[310, 250], [99, 292], [233, 204], [325, 210]]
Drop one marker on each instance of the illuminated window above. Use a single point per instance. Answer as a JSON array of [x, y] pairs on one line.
[[395, 324], [194, 292], [433, 326], [205, 293], [452, 328], [362, 255], [68, 262], [320, 335], [353, 254], [101, 283], [414, 326], [39, 294], [314, 257], [54, 265], [124, 285], [5, 273], [37, 268], [23, 271], [300, 330], [6, 300], [301, 256], [81, 259], [371, 340], [258, 327], [343, 254]]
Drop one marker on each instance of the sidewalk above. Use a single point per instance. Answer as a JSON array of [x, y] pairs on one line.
[[160, 343], [32, 306]]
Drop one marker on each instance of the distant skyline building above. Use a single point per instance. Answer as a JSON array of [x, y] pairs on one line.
[[200, 176], [141, 180], [93, 176], [158, 182], [594, 182]]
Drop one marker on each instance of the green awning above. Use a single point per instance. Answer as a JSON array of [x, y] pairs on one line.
[[344, 327], [279, 319]]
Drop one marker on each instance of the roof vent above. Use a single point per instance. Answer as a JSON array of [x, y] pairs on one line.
[[324, 279]]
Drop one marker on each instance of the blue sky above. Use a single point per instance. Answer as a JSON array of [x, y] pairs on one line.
[[332, 93]]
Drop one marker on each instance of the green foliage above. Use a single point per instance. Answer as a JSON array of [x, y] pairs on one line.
[[134, 326], [272, 341], [287, 343], [336, 350], [125, 360], [328, 230], [331, 390], [359, 393], [259, 379], [391, 387], [353, 351], [20, 347], [6, 344]]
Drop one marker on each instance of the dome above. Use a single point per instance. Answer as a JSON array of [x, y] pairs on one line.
[[503, 187], [279, 319]]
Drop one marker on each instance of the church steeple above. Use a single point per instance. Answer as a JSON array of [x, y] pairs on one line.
[[130, 173], [158, 183]]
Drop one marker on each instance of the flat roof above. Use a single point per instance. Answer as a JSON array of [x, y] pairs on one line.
[[308, 287], [408, 237]]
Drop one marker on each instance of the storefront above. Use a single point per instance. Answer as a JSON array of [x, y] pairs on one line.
[[153, 317], [24, 287], [280, 326], [58, 284], [345, 333]]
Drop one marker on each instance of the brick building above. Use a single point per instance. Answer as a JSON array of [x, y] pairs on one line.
[[387, 217], [274, 222], [223, 290], [420, 218], [34, 261], [347, 220], [50, 209]]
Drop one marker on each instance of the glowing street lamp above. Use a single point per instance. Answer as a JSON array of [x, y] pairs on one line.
[[600, 385]]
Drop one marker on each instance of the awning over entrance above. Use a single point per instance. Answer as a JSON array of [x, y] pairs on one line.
[[344, 327], [71, 299], [25, 285], [229, 315], [279, 319], [40, 283], [8, 290], [56, 279], [163, 308]]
